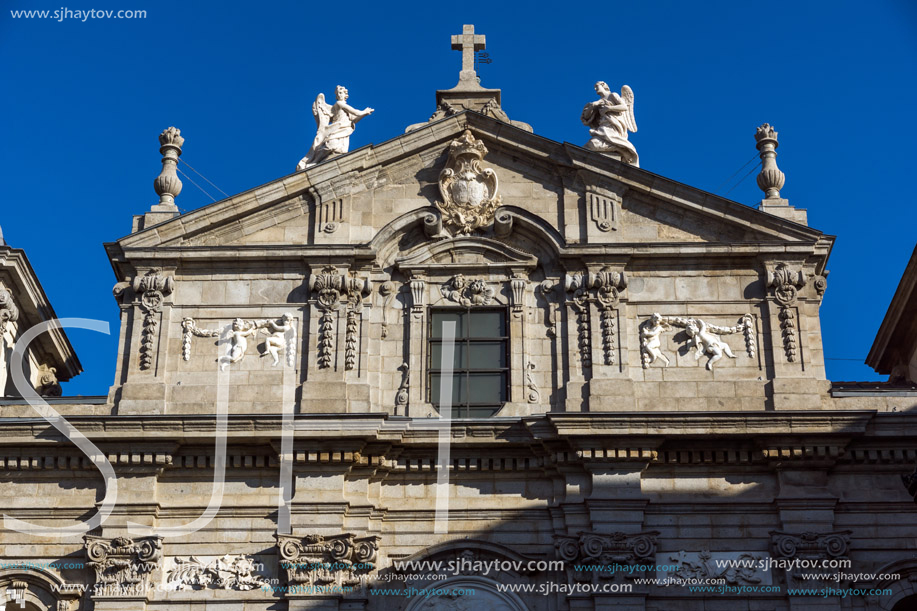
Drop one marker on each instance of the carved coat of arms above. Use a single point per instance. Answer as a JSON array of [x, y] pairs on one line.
[[469, 190]]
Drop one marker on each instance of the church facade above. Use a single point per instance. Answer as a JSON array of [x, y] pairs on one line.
[[469, 367]]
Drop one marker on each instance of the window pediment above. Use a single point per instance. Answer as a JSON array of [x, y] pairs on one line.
[[467, 254]]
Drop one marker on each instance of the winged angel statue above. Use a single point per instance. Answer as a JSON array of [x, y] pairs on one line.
[[609, 119], [335, 124]]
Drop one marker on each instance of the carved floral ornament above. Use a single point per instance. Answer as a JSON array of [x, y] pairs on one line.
[[231, 572], [702, 336], [469, 190]]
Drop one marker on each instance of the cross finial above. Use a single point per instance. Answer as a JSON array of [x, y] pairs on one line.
[[468, 43]]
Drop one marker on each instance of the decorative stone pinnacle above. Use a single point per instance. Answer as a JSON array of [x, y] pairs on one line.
[[771, 179], [167, 185]]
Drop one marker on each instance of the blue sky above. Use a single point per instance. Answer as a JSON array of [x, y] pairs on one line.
[[84, 103]]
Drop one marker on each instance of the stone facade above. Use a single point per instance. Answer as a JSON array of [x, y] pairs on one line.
[[665, 398]]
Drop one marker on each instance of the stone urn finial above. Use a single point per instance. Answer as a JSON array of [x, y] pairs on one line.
[[167, 185], [771, 179]]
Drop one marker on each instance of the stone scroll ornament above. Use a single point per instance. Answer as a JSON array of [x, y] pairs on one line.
[[702, 336], [153, 288], [281, 336], [604, 289], [811, 549], [332, 291], [468, 189], [316, 560], [227, 573], [599, 550], [122, 566], [786, 283]]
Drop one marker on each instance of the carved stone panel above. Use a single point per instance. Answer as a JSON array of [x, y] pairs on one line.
[[735, 568], [231, 572], [122, 566], [316, 560]]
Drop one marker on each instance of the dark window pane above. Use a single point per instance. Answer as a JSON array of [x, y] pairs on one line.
[[485, 324], [441, 316], [459, 355], [458, 388], [486, 388], [486, 355]]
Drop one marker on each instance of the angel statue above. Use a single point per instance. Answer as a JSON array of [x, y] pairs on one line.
[[335, 124], [609, 119]]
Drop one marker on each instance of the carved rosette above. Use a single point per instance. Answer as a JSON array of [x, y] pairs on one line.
[[231, 572], [331, 291], [8, 310], [605, 549], [122, 566], [316, 560], [703, 337], [468, 292], [604, 290], [152, 288], [786, 283], [469, 190], [814, 548]]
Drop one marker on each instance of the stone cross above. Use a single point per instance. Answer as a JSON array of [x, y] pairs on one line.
[[468, 43]]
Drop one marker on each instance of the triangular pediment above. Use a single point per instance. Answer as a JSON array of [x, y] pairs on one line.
[[349, 199]]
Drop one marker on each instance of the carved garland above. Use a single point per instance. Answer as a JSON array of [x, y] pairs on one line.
[[603, 289], [153, 288], [330, 290], [786, 282], [281, 336], [703, 337]]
